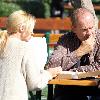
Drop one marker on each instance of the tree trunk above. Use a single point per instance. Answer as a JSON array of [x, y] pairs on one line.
[[86, 4]]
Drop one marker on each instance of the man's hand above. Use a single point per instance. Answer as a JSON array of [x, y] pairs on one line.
[[86, 46]]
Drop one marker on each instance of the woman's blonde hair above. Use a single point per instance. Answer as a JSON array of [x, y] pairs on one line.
[[17, 18], [79, 12], [13, 23], [3, 39]]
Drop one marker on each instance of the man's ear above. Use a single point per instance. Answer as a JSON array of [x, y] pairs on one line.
[[22, 28], [74, 28]]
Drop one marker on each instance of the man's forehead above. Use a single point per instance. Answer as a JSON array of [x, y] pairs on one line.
[[86, 18], [85, 24]]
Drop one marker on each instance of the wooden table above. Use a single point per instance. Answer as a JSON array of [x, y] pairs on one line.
[[68, 82]]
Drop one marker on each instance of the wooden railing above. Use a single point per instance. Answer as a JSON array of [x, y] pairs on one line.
[[46, 24], [69, 7]]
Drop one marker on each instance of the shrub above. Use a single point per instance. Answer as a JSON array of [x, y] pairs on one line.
[[7, 8]]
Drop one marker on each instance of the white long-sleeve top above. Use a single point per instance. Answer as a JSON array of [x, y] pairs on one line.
[[19, 71], [39, 45]]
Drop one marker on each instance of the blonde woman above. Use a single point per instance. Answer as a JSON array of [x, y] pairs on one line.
[[19, 72]]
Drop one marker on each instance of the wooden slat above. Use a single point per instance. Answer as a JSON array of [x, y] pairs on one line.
[[73, 82], [38, 35], [53, 24], [3, 21], [47, 23], [97, 7], [54, 37], [99, 24], [69, 7]]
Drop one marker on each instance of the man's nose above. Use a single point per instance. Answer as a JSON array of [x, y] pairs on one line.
[[89, 31]]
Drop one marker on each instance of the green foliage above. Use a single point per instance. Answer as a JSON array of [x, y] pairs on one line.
[[8, 8], [38, 8], [96, 1], [47, 9], [33, 7]]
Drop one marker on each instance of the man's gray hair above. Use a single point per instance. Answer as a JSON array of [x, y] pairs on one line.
[[75, 13]]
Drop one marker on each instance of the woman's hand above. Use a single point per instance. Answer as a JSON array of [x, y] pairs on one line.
[[55, 71]]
